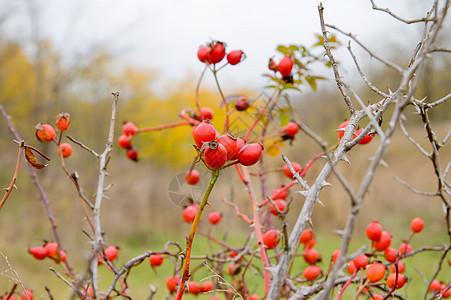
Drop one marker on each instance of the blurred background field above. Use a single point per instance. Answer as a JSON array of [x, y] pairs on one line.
[[139, 214]]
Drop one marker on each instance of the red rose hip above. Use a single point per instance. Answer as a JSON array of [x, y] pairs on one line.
[[250, 154]]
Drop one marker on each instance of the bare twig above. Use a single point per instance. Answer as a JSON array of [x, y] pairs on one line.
[[103, 160], [347, 99]]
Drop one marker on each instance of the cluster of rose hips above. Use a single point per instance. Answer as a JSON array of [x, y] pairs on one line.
[[215, 51], [25, 295], [365, 140], [216, 150], [46, 133], [129, 130], [194, 287], [50, 250]]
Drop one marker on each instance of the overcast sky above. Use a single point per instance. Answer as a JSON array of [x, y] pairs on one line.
[[165, 35]]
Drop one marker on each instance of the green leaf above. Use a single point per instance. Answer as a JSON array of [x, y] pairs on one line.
[[284, 118], [282, 49]]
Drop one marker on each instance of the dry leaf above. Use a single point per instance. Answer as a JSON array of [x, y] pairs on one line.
[[31, 158]]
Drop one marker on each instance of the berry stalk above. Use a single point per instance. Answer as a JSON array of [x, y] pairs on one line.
[[190, 238]]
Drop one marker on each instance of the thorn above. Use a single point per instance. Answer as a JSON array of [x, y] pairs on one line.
[[319, 201], [303, 193], [325, 183], [345, 159]]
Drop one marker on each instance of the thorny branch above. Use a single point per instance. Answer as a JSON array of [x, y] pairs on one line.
[[400, 98]]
